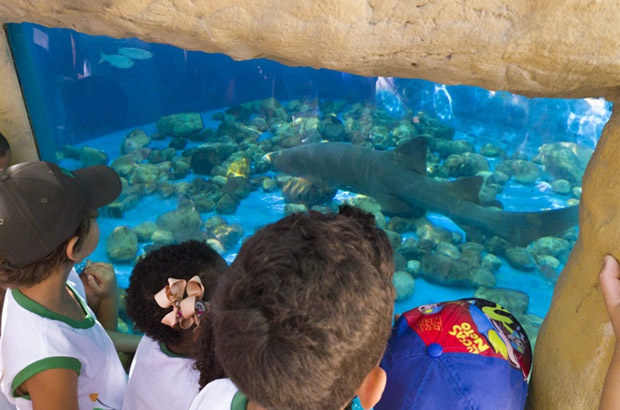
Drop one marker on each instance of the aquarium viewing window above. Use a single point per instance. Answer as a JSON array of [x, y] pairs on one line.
[[190, 134]]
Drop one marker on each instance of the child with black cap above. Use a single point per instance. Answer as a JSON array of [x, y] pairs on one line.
[[53, 353]]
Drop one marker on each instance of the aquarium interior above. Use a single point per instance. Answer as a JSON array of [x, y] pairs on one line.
[[188, 133]]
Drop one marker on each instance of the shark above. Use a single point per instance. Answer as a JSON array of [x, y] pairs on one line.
[[398, 180]]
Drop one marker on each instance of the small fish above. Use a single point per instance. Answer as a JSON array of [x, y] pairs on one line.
[[116, 60], [135, 53], [86, 70]]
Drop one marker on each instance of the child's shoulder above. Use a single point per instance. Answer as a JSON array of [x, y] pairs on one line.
[[37, 332], [153, 357], [219, 394]]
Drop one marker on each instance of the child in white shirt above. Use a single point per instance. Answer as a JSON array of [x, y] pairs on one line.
[[53, 352], [168, 299]]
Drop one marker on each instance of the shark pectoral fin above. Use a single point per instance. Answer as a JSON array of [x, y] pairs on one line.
[[392, 205], [494, 204], [467, 188], [473, 233], [411, 155]]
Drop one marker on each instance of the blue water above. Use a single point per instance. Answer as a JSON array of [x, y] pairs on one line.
[[89, 102], [261, 208]]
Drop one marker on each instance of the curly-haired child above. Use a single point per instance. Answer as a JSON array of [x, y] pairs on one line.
[[168, 299]]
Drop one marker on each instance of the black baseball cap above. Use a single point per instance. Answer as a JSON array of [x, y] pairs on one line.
[[42, 205]]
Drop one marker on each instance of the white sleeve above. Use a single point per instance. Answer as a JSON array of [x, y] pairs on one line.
[[217, 395]]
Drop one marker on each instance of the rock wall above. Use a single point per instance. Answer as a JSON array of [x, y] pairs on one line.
[[576, 340], [535, 48], [540, 48], [13, 116]]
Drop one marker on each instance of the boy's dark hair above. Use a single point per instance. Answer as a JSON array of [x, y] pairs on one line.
[[33, 273], [150, 275], [304, 312]]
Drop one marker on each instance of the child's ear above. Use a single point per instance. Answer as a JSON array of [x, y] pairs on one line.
[[72, 253], [372, 387]]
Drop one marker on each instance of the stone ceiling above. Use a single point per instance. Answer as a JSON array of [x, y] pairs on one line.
[[541, 48]]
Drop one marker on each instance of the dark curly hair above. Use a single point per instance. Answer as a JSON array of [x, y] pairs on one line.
[[205, 359], [150, 275], [304, 313]]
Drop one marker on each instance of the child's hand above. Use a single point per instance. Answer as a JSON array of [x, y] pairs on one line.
[[100, 280], [101, 290], [609, 278]]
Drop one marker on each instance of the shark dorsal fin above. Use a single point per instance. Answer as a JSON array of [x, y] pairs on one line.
[[411, 155], [467, 188]]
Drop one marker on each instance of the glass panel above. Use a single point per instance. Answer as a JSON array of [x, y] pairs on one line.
[[189, 132]]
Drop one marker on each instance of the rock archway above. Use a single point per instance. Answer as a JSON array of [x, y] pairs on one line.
[[539, 49]]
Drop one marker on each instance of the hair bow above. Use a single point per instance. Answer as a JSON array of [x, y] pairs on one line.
[[185, 309]]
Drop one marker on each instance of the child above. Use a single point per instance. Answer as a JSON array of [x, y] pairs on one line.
[[609, 278], [53, 353], [167, 299], [96, 283], [464, 354], [302, 317]]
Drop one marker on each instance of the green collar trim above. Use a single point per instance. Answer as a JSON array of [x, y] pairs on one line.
[[166, 350], [239, 402], [38, 309]]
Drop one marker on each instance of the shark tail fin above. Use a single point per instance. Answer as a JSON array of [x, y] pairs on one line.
[[531, 226], [523, 228]]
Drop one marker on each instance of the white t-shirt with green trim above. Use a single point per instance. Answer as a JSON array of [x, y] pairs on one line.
[[160, 379], [220, 394], [35, 339], [76, 283]]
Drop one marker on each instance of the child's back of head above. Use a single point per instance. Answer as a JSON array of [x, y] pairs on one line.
[[305, 311], [43, 206], [152, 275], [465, 354]]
